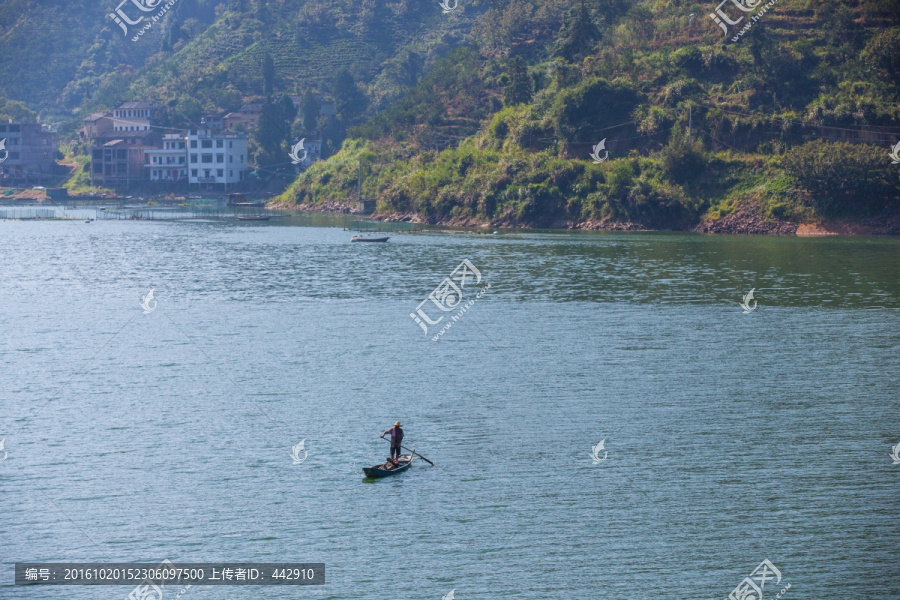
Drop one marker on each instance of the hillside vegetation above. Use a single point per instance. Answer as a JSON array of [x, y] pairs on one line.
[[488, 113], [791, 123]]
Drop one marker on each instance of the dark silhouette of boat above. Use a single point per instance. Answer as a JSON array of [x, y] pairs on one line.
[[388, 469]]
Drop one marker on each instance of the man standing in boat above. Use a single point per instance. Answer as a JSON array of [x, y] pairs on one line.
[[396, 438]]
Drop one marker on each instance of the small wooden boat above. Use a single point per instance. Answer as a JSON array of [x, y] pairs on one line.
[[388, 469], [357, 238], [254, 217]]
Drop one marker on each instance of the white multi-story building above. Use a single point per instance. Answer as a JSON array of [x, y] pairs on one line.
[[133, 116], [216, 158], [168, 163]]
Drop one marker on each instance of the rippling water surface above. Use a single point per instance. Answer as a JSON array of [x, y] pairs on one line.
[[731, 437]]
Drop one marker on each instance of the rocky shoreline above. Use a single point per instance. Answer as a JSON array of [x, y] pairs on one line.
[[744, 221]]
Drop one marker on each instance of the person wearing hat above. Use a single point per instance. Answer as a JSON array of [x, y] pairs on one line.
[[396, 437]]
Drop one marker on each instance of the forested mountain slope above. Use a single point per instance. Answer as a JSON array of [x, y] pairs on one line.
[[488, 112]]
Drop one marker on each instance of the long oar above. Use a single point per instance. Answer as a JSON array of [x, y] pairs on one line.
[[414, 452]]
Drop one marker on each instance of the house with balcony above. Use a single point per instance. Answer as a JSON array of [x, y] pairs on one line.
[[168, 163], [126, 117], [216, 158]]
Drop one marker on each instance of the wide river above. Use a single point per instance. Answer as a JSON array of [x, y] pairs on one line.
[[135, 435]]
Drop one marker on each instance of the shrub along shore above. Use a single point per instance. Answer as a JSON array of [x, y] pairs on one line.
[[847, 188]]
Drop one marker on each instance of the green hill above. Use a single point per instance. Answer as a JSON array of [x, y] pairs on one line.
[[488, 113], [790, 122]]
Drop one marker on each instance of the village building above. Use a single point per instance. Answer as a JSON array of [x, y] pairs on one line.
[[29, 154], [313, 150], [245, 119], [213, 121], [216, 158], [122, 161], [97, 125], [168, 163], [127, 148], [133, 116]]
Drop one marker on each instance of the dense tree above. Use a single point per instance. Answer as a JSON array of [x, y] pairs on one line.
[[682, 160], [411, 68], [16, 111], [578, 112], [183, 112], [454, 88], [268, 74], [273, 133], [309, 111], [519, 86], [577, 34], [349, 101], [882, 54], [844, 178]]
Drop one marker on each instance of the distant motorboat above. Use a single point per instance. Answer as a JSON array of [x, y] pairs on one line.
[[253, 217], [357, 238]]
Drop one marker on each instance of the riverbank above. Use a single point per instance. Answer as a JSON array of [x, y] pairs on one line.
[[746, 220]]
